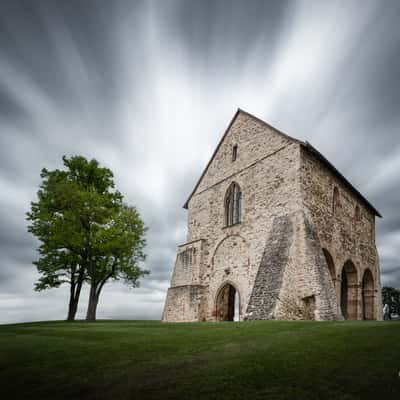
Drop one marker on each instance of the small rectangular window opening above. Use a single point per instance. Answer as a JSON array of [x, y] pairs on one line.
[[234, 152]]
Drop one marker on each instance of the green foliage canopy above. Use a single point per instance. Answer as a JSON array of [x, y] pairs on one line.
[[86, 232]]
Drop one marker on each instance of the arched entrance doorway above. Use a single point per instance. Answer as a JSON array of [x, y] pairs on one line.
[[227, 303], [348, 292], [331, 265], [368, 295]]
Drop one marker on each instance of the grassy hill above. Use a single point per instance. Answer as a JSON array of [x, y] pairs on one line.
[[151, 360]]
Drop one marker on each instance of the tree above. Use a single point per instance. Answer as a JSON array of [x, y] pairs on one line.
[[391, 296], [58, 267], [75, 207], [118, 251]]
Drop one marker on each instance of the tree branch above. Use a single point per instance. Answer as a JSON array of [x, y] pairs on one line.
[[107, 276]]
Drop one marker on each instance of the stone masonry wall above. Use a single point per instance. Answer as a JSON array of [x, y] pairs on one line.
[[183, 303], [268, 177], [268, 283], [345, 233], [267, 171], [307, 291], [293, 280], [274, 256], [188, 264]]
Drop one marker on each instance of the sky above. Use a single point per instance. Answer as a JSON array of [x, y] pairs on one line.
[[148, 87]]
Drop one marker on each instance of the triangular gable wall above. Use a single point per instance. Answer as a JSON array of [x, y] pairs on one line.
[[254, 139]]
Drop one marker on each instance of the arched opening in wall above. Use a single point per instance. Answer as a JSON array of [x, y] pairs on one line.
[[368, 295], [348, 292], [233, 204], [227, 304], [330, 263], [236, 313]]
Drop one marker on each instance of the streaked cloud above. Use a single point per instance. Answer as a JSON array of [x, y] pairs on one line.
[[148, 87]]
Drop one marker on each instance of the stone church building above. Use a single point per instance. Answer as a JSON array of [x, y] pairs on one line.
[[274, 232]]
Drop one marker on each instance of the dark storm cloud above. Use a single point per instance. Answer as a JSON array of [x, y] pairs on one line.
[[219, 33], [147, 88], [38, 36]]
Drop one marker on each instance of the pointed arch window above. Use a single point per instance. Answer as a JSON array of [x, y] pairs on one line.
[[233, 204]]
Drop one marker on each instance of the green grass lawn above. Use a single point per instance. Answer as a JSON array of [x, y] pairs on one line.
[[154, 360]]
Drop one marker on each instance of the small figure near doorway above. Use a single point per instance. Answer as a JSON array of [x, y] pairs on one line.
[[386, 312]]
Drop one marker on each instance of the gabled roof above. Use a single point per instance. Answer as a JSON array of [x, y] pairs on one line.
[[306, 145]]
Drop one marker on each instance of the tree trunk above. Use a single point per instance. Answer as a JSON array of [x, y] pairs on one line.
[[71, 306], [94, 295], [92, 306], [75, 292]]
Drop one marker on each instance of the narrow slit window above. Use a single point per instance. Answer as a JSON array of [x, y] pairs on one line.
[[234, 152]]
